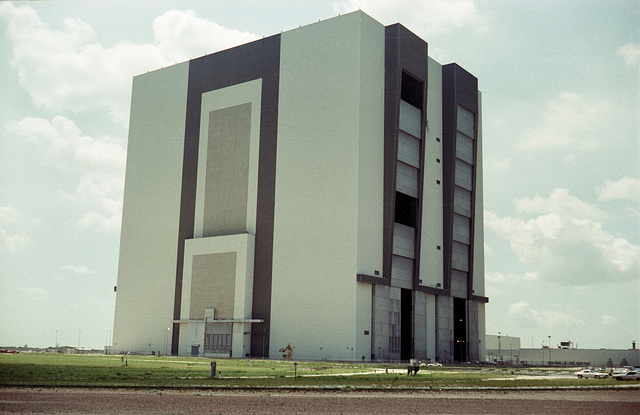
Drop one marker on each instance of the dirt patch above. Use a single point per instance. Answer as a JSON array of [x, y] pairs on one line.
[[125, 401]]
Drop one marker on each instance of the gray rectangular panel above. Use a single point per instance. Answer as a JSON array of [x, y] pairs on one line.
[[466, 122], [408, 149], [463, 175], [410, 119], [461, 229], [464, 148], [407, 179], [401, 272], [459, 284], [460, 256], [225, 210], [462, 201], [404, 241]]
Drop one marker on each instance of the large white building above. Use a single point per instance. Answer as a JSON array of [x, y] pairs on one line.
[[320, 188]]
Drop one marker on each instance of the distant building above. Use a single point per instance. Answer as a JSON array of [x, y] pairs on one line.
[[507, 350], [320, 188], [502, 349]]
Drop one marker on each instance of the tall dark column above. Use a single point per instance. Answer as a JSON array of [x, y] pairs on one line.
[[260, 59]]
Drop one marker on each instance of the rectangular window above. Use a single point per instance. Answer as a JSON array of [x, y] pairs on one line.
[[462, 201], [459, 283], [406, 210], [408, 149], [463, 175], [460, 256], [411, 90], [407, 179], [217, 343], [402, 271], [394, 344], [464, 148], [403, 241], [461, 229], [410, 119], [466, 122]]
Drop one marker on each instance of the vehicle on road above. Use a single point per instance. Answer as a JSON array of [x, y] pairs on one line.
[[590, 373], [630, 375], [422, 364], [618, 371]]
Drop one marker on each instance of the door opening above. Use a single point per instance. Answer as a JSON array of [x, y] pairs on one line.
[[406, 325], [459, 330]]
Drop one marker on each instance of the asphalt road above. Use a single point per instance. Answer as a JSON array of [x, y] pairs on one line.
[[125, 401]]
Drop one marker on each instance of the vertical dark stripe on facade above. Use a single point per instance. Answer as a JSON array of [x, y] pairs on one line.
[[392, 79], [404, 53], [459, 87], [260, 59]]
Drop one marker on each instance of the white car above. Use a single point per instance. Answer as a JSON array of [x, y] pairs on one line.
[[630, 375], [589, 373]]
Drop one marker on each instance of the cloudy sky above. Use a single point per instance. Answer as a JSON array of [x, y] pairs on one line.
[[561, 128]]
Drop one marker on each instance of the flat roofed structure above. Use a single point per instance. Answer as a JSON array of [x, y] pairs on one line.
[[319, 189]]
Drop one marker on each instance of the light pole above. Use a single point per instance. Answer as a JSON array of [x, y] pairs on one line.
[[166, 337], [499, 349], [510, 353], [549, 350]]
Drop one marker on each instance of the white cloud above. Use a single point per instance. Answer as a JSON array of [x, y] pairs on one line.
[[8, 214], [66, 69], [182, 35], [561, 202], [502, 165], [82, 269], [13, 242], [608, 320], [566, 243], [547, 319], [103, 192], [625, 188], [99, 163], [62, 144], [35, 293], [571, 122], [498, 277], [630, 53], [431, 16]]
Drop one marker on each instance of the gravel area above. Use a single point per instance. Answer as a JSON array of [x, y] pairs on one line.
[[127, 401]]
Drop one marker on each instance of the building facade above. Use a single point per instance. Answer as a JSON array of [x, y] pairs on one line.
[[502, 349], [319, 189]]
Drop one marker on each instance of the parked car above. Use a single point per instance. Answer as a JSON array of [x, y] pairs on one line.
[[590, 373], [618, 371], [630, 375]]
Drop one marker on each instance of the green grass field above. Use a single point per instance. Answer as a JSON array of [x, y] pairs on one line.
[[40, 369]]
